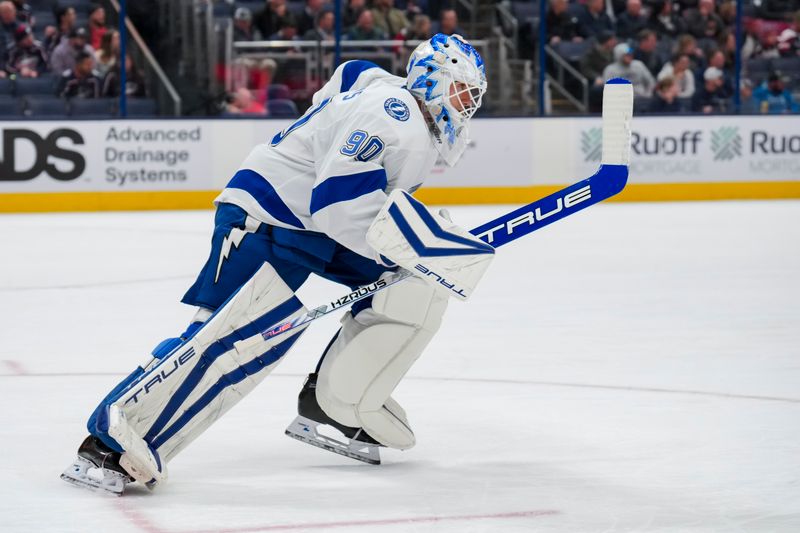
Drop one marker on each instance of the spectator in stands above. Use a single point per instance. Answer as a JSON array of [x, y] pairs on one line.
[[24, 13], [421, 29], [413, 9], [646, 52], [788, 41], [704, 22], [562, 26], [632, 21], [678, 69], [106, 55], [81, 81], [97, 25], [135, 84], [241, 102], [267, 20], [709, 98], [687, 45], [727, 13], [747, 104], [625, 66], [664, 21], [772, 96], [243, 29], [66, 53], [767, 47], [323, 29], [287, 29], [65, 23], [352, 12], [365, 29], [448, 22], [716, 59], [27, 57], [665, 98], [8, 19], [594, 19], [388, 18], [601, 55], [308, 17]]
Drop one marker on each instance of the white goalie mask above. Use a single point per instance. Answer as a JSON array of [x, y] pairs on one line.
[[447, 75]]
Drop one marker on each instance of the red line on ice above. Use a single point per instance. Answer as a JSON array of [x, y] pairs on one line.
[[385, 522]]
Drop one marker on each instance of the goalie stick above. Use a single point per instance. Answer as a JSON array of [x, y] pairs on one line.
[[608, 181]]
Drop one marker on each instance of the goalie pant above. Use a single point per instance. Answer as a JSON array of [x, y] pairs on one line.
[[379, 340]]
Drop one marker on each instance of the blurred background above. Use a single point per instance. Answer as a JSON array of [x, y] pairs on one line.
[[266, 58]]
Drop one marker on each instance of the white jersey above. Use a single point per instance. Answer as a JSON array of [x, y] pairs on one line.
[[332, 169]]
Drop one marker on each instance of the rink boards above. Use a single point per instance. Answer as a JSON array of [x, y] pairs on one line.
[[182, 164]]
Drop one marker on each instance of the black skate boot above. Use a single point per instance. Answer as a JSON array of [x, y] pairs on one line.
[[97, 468], [361, 446]]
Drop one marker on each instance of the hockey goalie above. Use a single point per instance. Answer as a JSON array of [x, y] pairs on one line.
[[329, 195]]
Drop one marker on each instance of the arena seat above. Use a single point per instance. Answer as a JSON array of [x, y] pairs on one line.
[[92, 107], [10, 106], [43, 85], [278, 91], [45, 106], [282, 108], [6, 87], [142, 107]]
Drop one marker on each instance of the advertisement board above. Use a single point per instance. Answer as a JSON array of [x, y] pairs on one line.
[[140, 164]]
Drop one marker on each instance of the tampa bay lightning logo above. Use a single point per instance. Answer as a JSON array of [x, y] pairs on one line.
[[397, 109]]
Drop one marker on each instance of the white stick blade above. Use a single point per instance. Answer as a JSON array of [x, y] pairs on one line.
[[617, 112]]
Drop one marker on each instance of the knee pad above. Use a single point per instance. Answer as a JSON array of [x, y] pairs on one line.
[[372, 353]]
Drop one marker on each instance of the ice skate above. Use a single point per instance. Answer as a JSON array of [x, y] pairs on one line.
[[97, 468], [356, 443]]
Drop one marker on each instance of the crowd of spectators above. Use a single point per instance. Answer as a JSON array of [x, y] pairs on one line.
[[680, 54], [361, 20], [82, 61]]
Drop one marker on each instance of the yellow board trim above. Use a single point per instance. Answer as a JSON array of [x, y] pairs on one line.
[[635, 192]]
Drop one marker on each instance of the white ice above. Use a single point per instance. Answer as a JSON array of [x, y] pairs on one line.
[[635, 367]]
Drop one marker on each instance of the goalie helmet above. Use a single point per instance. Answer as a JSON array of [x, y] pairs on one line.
[[446, 74]]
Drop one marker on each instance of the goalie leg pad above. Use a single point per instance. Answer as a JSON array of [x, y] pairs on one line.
[[372, 354], [175, 400]]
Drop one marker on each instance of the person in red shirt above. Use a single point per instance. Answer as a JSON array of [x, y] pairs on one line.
[[97, 25]]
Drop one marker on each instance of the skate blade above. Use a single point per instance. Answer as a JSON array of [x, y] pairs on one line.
[[84, 474], [305, 430]]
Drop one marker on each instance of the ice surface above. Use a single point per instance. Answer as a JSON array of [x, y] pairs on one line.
[[635, 367]]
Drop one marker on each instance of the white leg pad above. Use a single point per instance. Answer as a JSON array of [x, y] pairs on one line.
[[372, 354]]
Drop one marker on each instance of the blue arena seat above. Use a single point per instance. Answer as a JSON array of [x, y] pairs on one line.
[[573, 52], [43, 85], [10, 106], [92, 107], [45, 106], [142, 107], [42, 19], [282, 109], [6, 87], [278, 91]]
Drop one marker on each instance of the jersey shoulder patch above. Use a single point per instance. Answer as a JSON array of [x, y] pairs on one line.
[[397, 109]]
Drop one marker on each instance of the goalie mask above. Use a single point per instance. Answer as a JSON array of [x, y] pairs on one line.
[[446, 74]]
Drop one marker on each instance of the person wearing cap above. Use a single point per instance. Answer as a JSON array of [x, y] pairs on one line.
[[63, 57], [26, 58], [243, 29], [710, 98], [625, 66], [773, 97]]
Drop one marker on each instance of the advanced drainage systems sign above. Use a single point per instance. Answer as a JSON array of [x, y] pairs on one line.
[[105, 156]]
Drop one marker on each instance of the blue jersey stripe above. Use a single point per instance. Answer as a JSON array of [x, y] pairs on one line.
[[265, 194], [352, 70], [348, 187]]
